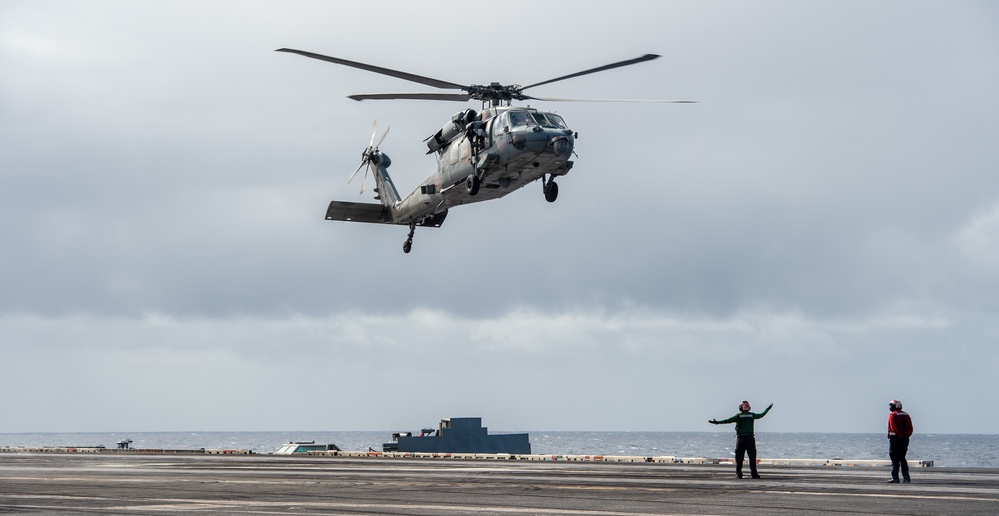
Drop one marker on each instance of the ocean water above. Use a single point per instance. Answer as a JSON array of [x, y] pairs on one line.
[[945, 450]]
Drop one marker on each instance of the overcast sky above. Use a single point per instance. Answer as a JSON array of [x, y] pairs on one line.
[[820, 231]]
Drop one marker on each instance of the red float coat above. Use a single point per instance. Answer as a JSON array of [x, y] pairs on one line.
[[899, 424]]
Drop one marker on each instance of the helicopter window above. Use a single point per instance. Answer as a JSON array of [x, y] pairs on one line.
[[501, 121], [549, 120], [556, 120], [520, 118]]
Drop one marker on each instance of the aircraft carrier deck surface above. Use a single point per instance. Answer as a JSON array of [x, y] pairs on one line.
[[145, 484]]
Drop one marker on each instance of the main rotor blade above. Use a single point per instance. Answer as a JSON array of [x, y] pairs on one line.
[[562, 99], [460, 97], [646, 57], [377, 69]]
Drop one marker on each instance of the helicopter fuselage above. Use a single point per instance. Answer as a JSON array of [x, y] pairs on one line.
[[504, 148]]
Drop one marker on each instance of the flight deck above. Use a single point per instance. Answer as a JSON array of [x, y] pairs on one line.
[[143, 483]]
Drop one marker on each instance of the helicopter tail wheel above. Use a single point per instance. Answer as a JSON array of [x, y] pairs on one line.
[[407, 246], [472, 184], [551, 191]]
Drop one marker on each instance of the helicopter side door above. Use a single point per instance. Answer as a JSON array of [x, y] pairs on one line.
[[452, 160], [456, 161]]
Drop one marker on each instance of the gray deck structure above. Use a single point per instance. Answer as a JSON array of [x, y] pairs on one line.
[[147, 484]]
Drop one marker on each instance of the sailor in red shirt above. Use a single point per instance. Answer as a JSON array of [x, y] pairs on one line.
[[899, 430]]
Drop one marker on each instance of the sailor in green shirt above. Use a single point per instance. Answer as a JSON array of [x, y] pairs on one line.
[[745, 440]]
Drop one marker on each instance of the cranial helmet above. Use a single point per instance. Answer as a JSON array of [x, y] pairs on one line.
[[895, 405], [744, 406]]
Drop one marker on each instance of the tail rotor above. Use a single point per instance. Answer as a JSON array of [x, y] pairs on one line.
[[371, 156]]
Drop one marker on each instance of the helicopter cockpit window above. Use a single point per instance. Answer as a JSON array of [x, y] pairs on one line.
[[520, 118], [557, 120], [549, 120]]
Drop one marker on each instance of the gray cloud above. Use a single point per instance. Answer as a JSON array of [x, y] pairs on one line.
[[825, 215]]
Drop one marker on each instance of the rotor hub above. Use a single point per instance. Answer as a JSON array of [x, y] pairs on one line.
[[496, 92]]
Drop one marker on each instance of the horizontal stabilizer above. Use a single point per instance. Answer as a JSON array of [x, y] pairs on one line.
[[358, 212]]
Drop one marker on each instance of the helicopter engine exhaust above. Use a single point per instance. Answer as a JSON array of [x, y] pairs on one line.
[[451, 130]]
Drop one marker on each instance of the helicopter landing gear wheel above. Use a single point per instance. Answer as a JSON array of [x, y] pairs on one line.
[[472, 184], [407, 246], [551, 191]]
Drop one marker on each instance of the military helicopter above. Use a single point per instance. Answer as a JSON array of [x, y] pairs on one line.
[[480, 155]]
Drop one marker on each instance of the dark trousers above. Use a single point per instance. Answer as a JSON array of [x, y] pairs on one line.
[[897, 448], [745, 444]]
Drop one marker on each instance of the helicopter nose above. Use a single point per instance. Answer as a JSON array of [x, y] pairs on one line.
[[562, 146]]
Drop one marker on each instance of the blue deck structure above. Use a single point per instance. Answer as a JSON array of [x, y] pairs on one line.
[[461, 435]]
